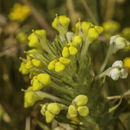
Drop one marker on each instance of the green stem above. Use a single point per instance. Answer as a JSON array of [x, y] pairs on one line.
[[49, 96], [61, 89], [106, 59], [102, 74]]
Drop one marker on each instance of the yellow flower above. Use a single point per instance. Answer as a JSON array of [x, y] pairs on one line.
[[44, 78], [36, 85], [49, 116], [23, 69], [43, 109], [84, 26], [54, 108], [111, 27], [19, 12], [83, 111], [65, 52], [93, 34], [61, 23], [59, 67], [36, 62], [51, 65], [81, 100], [40, 81], [50, 111], [77, 40], [30, 98], [72, 112], [73, 50], [29, 65], [99, 29], [36, 38], [127, 62], [64, 60]]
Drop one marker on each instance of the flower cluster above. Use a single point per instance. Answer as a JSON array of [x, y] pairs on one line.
[[78, 106], [61, 72], [50, 111], [19, 12]]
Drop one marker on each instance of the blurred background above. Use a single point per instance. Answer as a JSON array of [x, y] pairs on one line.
[[16, 22]]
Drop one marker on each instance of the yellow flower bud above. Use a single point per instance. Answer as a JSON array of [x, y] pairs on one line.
[[49, 116], [51, 65], [61, 23], [77, 40], [81, 100], [64, 60], [54, 108], [127, 62], [99, 29], [44, 79], [73, 50], [65, 52], [30, 98], [59, 67], [83, 111], [36, 62], [72, 112], [92, 34]]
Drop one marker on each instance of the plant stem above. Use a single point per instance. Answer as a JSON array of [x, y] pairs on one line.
[[90, 13], [49, 96], [103, 74], [106, 59], [127, 93], [42, 22], [61, 89]]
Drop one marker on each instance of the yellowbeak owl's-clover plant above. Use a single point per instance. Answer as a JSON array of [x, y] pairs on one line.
[[62, 76]]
